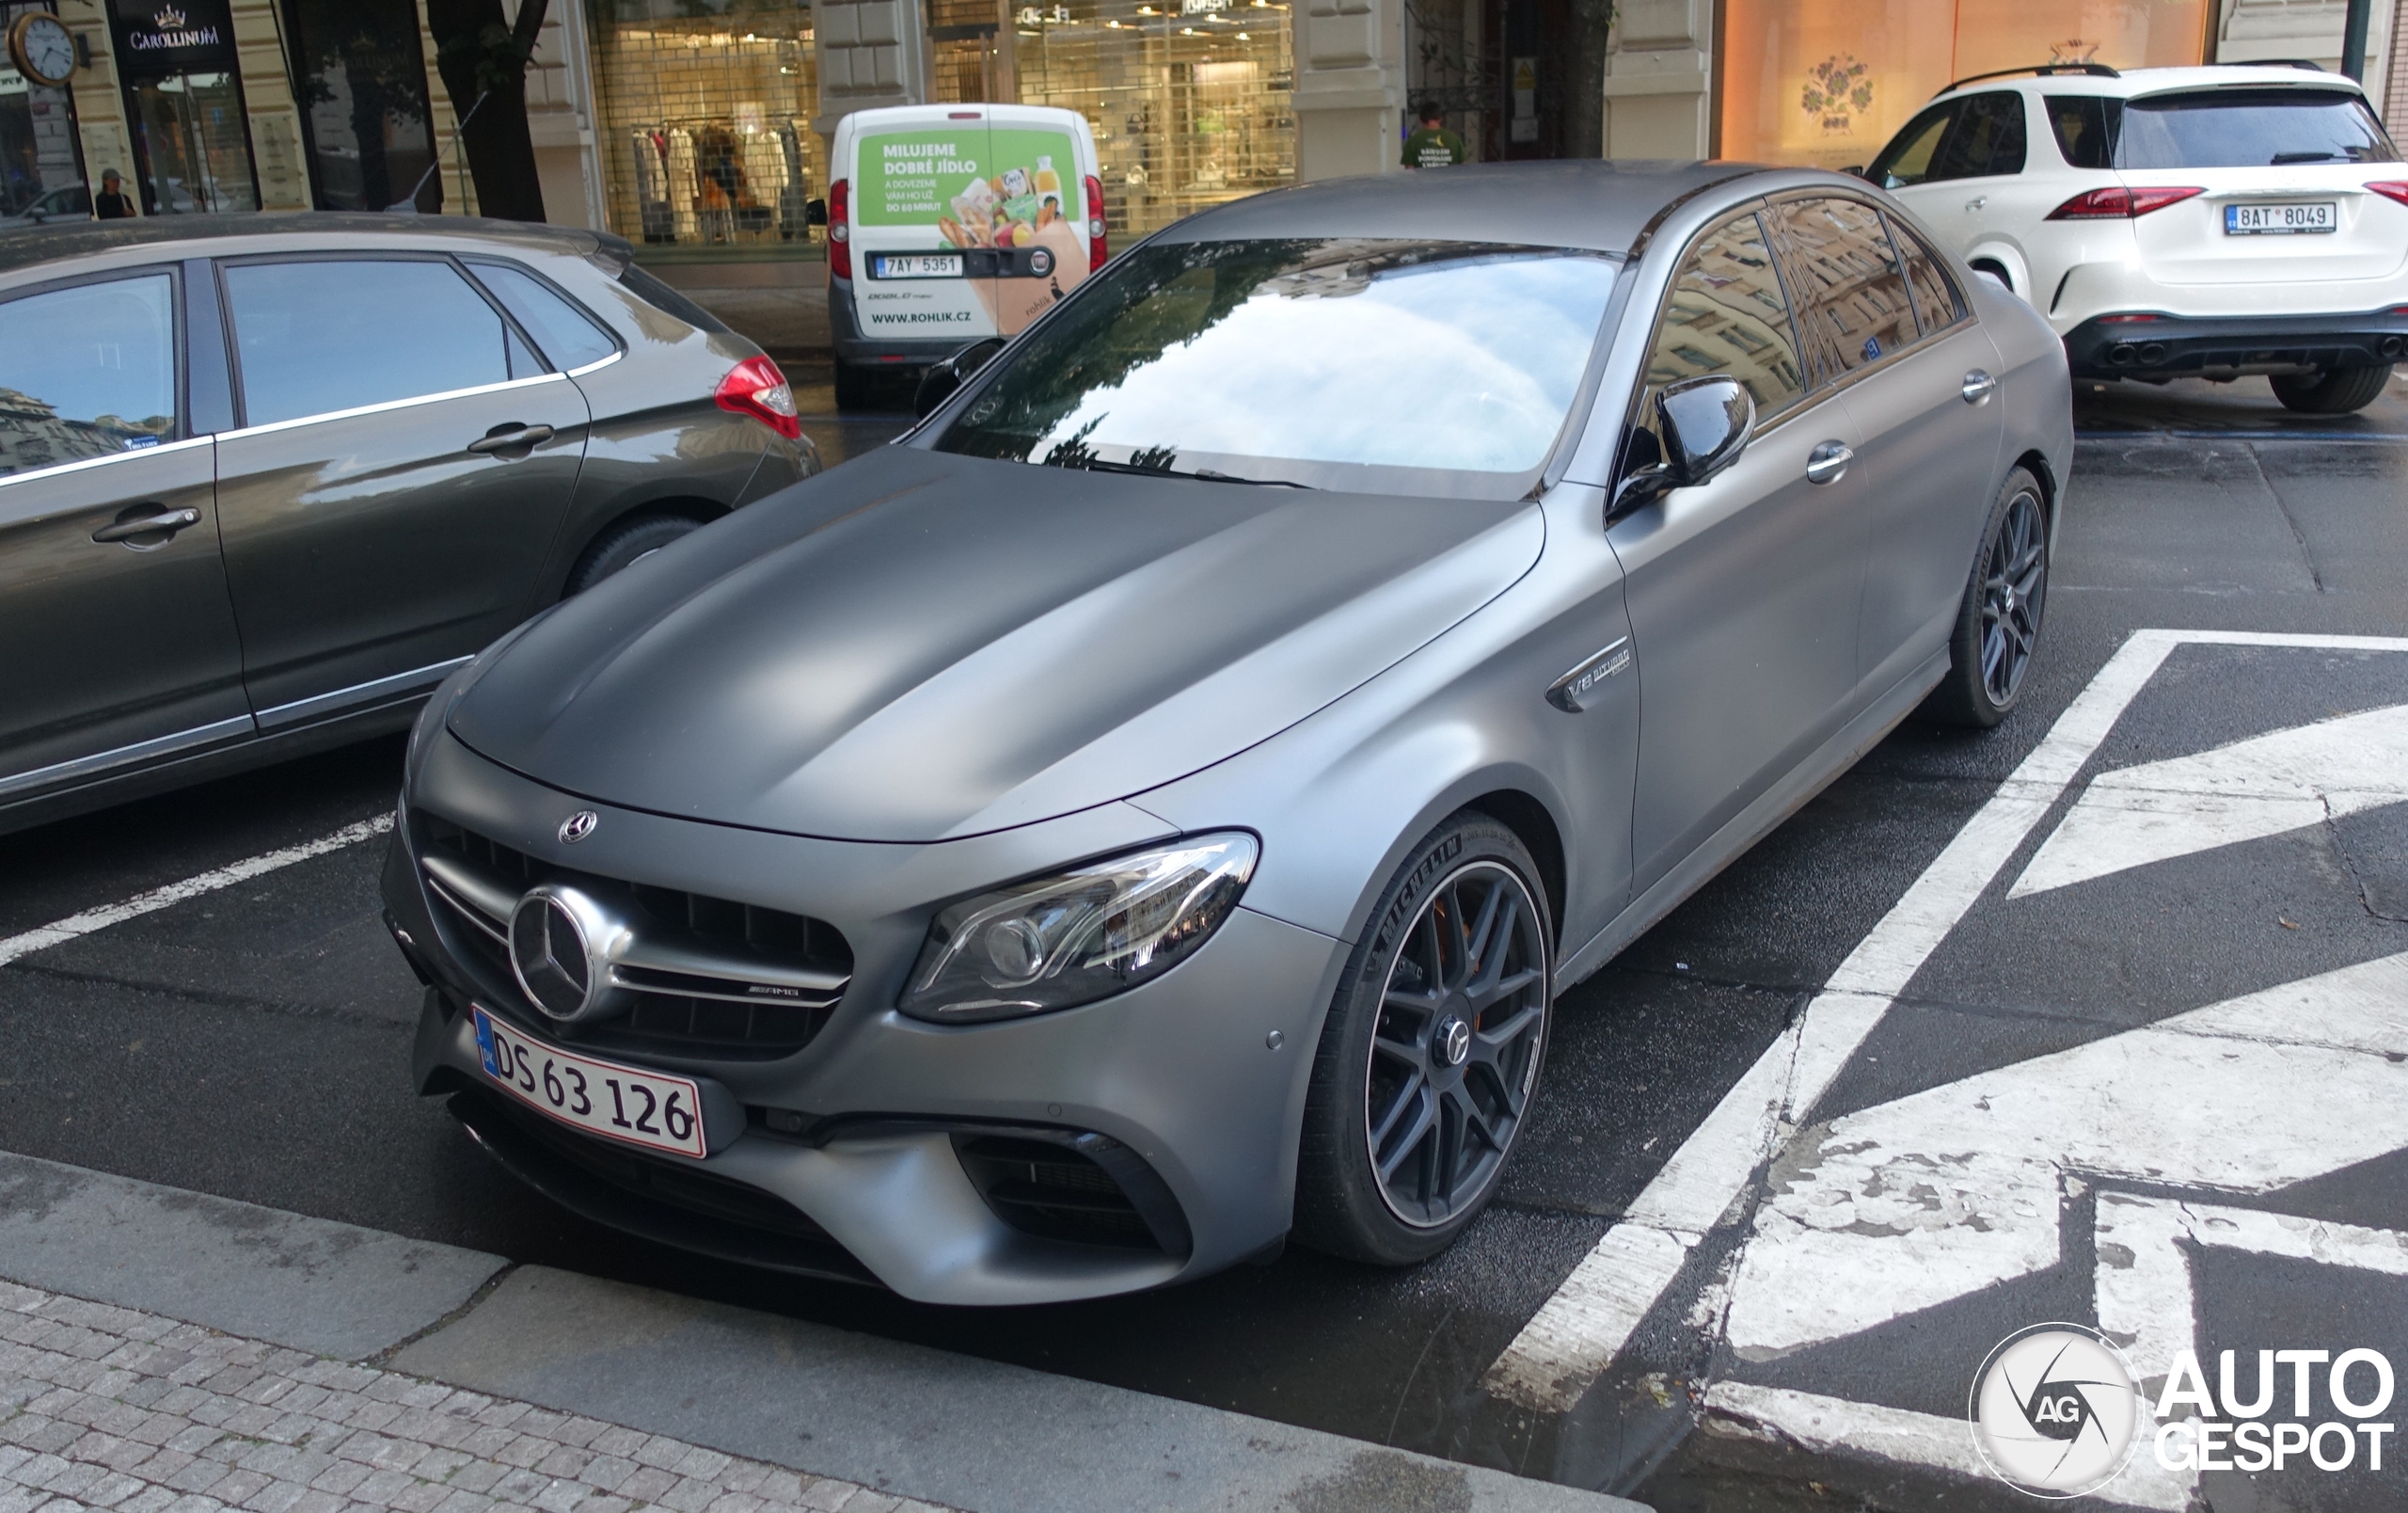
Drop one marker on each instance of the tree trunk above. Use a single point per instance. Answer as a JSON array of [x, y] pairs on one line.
[[483, 64], [1584, 133]]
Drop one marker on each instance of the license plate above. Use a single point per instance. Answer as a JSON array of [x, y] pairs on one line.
[[2281, 220], [917, 265], [620, 1102]]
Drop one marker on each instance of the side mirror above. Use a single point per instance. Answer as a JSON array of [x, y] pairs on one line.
[[937, 384], [1856, 170], [815, 213], [1705, 424]]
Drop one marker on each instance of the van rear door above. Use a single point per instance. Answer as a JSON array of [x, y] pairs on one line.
[[1038, 174], [921, 201]]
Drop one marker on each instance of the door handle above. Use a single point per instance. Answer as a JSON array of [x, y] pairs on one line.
[[163, 524], [511, 437], [1824, 464], [1976, 203], [1977, 386]]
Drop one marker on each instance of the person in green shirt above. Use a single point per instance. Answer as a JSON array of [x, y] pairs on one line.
[[1433, 146]]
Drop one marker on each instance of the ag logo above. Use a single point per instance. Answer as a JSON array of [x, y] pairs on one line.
[[2055, 1411]]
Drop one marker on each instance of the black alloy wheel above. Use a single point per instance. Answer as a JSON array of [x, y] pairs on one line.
[[2014, 577], [1431, 1054], [1998, 620], [1456, 1050]]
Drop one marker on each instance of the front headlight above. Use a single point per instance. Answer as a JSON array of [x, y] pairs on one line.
[[1079, 936]]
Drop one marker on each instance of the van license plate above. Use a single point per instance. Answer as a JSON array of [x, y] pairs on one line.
[[2280, 220], [604, 1098], [918, 266]]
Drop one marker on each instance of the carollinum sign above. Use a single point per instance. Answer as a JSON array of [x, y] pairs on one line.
[[169, 36]]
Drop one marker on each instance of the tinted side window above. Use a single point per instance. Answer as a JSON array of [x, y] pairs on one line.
[[1855, 297], [1908, 158], [661, 297], [337, 334], [1939, 303], [567, 335], [87, 371], [1727, 314], [2086, 129], [1989, 139]]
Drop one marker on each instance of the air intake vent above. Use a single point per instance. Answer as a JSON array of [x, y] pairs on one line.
[[1078, 1188], [710, 976]]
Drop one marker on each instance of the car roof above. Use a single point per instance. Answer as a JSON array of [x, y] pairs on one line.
[[1604, 206], [2134, 82], [33, 245]]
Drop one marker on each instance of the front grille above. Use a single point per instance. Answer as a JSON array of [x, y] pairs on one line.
[[716, 977], [1041, 1188]]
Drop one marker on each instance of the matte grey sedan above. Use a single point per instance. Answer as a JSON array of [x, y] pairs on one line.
[[1151, 810], [266, 480]]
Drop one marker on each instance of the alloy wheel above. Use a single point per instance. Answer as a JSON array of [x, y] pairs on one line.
[[1456, 1051], [2015, 579]]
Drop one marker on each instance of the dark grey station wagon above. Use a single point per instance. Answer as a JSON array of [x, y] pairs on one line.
[[266, 480]]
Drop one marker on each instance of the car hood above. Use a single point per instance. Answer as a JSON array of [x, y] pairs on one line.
[[918, 645]]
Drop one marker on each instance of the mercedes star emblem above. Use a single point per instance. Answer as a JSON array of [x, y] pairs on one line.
[[578, 826]]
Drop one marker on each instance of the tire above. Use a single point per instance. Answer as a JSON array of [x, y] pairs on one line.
[[2333, 392], [623, 545], [854, 386], [1998, 623], [1405, 1070]]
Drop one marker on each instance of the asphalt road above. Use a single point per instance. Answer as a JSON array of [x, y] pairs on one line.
[[252, 1042]]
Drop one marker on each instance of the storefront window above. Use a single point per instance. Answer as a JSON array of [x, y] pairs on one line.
[[191, 145], [41, 173], [362, 78], [1826, 81], [705, 108], [1188, 99], [192, 139]]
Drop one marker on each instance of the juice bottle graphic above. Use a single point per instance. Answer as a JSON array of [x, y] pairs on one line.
[[1048, 182]]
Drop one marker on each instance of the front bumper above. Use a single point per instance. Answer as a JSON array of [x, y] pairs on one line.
[[2177, 346], [1199, 1076]]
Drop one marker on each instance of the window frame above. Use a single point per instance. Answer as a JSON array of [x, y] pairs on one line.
[[1961, 301], [180, 351], [242, 425], [1837, 376], [1955, 109], [1964, 109], [471, 260]]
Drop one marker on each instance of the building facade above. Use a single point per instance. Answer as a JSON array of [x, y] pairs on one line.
[[1826, 82], [699, 128]]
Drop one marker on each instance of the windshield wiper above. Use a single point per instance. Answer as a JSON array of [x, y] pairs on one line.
[[1208, 474], [2281, 158], [1211, 476]]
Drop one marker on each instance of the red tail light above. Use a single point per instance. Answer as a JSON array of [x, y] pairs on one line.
[[1096, 249], [840, 230], [2120, 203], [2391, 191], [756, 387]]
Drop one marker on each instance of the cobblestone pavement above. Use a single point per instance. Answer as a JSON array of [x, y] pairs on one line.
[[107, 1408]]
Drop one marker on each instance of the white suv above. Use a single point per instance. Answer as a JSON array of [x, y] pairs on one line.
[[2197, 222]]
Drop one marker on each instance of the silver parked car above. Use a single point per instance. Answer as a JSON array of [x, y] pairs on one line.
[[266, 480], [1152, 809]]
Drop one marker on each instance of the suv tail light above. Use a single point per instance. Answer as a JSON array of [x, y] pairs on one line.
[[2391, 190], [756, 387], [2120, 203], [1096, 250], [840, 230]]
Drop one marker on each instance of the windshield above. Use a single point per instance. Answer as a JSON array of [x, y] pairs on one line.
[[1429, 367], [2246, 128]]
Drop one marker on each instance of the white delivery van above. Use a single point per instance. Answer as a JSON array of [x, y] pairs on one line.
[[947, 224]]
